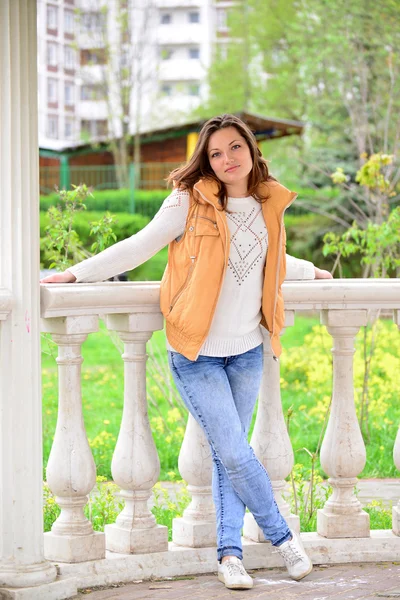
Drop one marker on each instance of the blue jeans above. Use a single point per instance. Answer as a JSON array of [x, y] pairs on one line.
[[220, 393]]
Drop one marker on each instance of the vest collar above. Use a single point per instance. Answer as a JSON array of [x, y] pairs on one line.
[[279, 196]]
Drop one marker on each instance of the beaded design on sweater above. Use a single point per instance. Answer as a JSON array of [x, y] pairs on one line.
[[178, 199], [249, 241]]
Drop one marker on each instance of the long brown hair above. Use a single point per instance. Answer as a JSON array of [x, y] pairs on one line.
[[198, 166]]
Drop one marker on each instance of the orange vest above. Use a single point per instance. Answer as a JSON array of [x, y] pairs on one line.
[[193, 277]]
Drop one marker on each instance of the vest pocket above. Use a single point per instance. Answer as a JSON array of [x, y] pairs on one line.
[[205, 226], [181, 289]]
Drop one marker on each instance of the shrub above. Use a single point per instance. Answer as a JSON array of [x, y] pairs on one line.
[[147, 202], [125, 226], [305, 239]]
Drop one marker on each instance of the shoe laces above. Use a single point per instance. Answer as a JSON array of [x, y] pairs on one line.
[[290, 553], [234, 568]]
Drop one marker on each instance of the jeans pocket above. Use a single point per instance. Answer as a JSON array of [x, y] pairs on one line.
[[179, 360]]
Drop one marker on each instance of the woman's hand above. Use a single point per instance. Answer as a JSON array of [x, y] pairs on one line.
[[65, 277], [322, 274]]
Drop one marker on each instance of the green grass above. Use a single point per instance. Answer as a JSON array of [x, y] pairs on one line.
[[306, 389]]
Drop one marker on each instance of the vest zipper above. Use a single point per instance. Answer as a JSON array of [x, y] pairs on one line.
[[208, 219], [223, 274], [180, 291], [182, 288], [278, 267]]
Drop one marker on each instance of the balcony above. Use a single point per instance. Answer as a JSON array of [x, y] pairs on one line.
[[93, 110], [180, 34], [163, 4], [181, 70]]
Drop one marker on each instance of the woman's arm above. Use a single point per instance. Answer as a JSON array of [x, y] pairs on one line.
[[168, 224], [298, 269]]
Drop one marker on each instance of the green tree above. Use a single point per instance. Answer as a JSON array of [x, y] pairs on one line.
[[119, 34], [375, 235], [333, 65]]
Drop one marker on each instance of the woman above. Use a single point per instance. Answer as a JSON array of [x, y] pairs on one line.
[[226, 263]]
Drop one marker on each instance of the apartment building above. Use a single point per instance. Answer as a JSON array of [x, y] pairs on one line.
[[57, 73], [172, 42]]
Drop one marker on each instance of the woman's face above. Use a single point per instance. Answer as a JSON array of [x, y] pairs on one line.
[[229, 156]]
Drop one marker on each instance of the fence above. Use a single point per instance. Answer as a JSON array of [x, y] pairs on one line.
[[100, 177]]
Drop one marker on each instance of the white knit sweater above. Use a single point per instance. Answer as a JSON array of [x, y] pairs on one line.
[[236, 324]]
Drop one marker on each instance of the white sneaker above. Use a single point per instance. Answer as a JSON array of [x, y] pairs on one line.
[[233, 574], [296, 560]]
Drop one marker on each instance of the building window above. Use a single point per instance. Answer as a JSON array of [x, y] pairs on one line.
[[194, 52], [194, 17], [69, 128], [194, 89], [166, 54], [166, 89], [125, 57], [69, 21], [52, 90], [69, 57], [222, 22], [69, 93], [52, 54], [92, 22], [166, 19], [52, 127], [92, 92], [52, 17], [95, 56], [102, 127], [94, 127]]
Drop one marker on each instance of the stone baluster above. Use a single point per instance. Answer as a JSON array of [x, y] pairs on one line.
[[270, 439], [71, 471], [197, 527], [396, 455], [135, 464], [343, 452]]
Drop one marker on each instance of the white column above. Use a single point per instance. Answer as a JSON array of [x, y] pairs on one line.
[[396, 456], [343, 452], [135, 464], [22, 561], [197, 527], [71, 470], [270, 439]]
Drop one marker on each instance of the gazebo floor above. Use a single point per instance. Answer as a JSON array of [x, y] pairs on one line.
[[359, 581]]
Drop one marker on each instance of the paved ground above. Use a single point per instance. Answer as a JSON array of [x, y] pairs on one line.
[[365, 581]]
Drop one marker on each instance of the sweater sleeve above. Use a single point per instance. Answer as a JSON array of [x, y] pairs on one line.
[[296, 268], [168, 224]]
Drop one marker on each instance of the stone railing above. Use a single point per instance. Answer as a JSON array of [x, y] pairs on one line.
[[135, 546]]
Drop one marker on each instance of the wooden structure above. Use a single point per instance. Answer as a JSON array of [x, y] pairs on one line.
[[161, 150]]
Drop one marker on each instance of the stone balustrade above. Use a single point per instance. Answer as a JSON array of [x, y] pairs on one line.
[[71, 312], [135, 546]]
